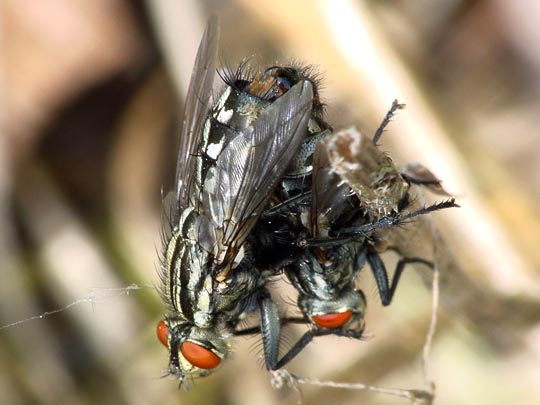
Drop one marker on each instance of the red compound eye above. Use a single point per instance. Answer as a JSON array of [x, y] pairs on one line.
[[332, 321], [199, 356], [162, 331]]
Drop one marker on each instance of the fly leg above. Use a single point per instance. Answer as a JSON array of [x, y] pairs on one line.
[[285, 205], [271, 333], [385, 287], [248, 331], [257, 329], [386, 120], [270, 330], [357, 233], [308, 337], [271, 356]]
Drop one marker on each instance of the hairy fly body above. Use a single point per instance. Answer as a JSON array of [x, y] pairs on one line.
[[344, 224], [249, 149]]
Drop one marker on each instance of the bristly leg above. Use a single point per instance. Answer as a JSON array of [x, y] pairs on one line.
[[359, 232], [386, 120], [386, 287]]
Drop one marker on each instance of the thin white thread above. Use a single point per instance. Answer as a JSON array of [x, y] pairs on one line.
[[91, 299]]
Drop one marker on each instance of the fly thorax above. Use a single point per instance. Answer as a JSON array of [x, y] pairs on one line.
[[214, 140], [233, 111], [302, 163], [297, 178], [237, 109], [223, 111]]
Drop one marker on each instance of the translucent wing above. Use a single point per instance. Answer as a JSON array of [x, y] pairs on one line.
[[251, 165], [329, 193], [414, 239], [419, 174], [195, 110], [417, 239]]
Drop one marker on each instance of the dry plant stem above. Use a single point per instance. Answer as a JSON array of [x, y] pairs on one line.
[[280, 377], [428, 384]]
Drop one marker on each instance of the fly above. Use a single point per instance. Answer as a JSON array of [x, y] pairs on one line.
[[260, 131], [343, 223]]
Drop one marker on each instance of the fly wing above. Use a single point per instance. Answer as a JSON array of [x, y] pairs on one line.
[[248, 170], [195, 111], [418, 238], [328, 195], [414, 239], [419, 174]]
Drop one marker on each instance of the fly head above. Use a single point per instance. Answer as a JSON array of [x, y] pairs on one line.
[[193, 352]]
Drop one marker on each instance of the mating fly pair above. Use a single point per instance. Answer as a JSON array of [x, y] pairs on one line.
[[254, 198]]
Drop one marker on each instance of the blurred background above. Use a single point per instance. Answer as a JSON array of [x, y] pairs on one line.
[[90, 103]]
